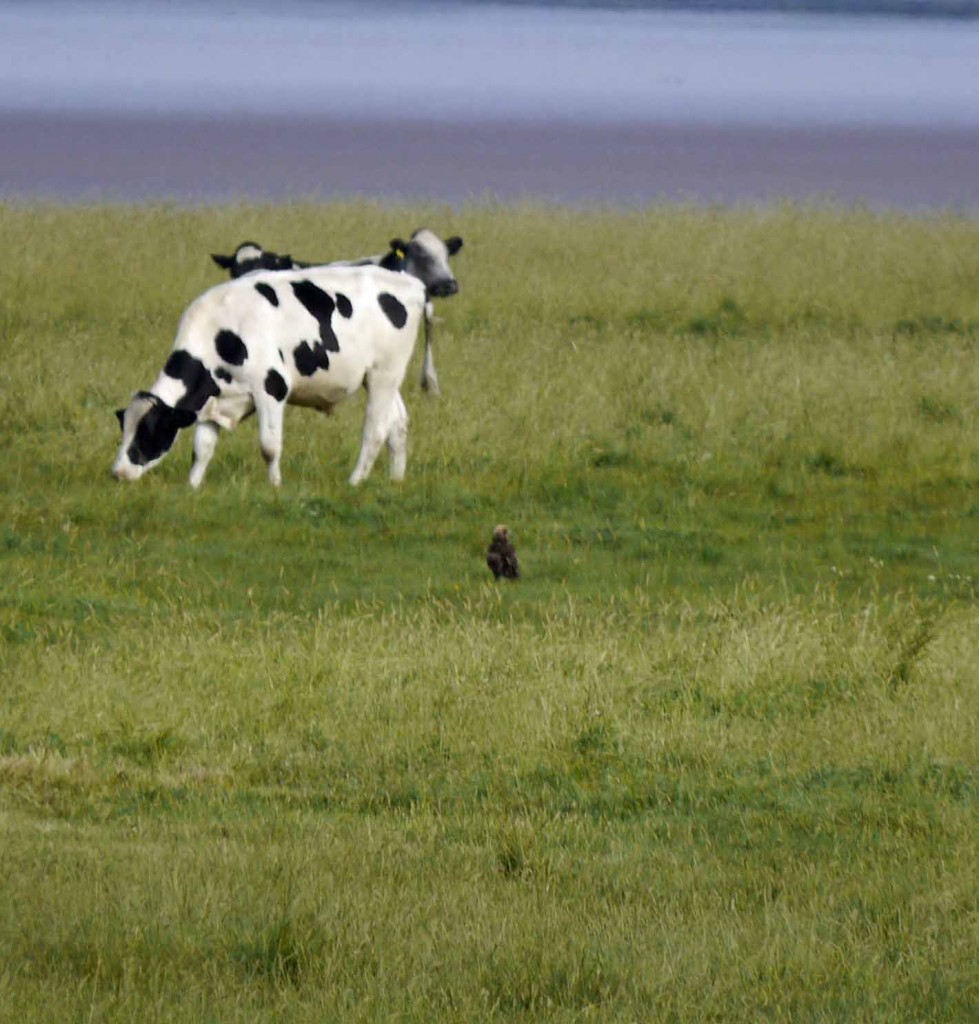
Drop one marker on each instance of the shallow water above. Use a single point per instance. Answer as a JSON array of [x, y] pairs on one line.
[[472, 61]]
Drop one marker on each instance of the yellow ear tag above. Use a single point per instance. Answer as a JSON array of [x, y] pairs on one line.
[[400, 253]]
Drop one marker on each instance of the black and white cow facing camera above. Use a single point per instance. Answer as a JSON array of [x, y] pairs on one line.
[[425, 256]]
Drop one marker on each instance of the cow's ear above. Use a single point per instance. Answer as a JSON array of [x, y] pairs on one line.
[[182, 418], [121, 417], [397, 257], [224, 262], [453, 244]]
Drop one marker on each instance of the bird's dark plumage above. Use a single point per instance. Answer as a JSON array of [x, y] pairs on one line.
[[502, 556]]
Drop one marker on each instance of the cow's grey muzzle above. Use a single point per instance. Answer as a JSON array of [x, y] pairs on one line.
[[443, 289]]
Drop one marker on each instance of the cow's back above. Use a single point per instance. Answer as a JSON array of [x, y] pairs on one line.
[[346, 323], [322, 329]]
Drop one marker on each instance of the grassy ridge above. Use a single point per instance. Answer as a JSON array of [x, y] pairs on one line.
[[292, 755]]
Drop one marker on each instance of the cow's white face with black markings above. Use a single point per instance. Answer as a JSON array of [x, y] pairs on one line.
[[426, 257], [304, 337], [149, 428]]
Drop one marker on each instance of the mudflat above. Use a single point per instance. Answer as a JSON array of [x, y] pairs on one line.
[[83, 157]]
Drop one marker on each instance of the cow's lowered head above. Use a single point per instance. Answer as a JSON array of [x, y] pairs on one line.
[[149, 428]]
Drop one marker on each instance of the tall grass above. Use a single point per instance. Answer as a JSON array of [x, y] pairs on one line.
[[294, 756]]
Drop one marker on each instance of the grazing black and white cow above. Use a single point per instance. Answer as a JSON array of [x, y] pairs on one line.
[[425, 256], [302, 337]]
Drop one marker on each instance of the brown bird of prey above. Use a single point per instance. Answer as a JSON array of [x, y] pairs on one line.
[[502, 557]]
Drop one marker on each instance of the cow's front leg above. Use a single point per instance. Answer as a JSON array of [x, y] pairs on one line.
[[205, 441], [270, 417]]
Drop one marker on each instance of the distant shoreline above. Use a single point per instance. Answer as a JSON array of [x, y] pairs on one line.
[[110, 157], [955, 9]]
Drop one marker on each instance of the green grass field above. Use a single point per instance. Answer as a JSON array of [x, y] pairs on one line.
[[295, 756]]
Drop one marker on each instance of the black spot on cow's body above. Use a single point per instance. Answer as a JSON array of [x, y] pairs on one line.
[[196, 379], [310, 358], [319, 305], [222, 374], [231, 348], [393, 309], [344, 306], [267, 292], [276, 386]]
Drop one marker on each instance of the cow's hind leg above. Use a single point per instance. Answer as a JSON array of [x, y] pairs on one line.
[[270, 418], [383, 410], [205, 441]]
